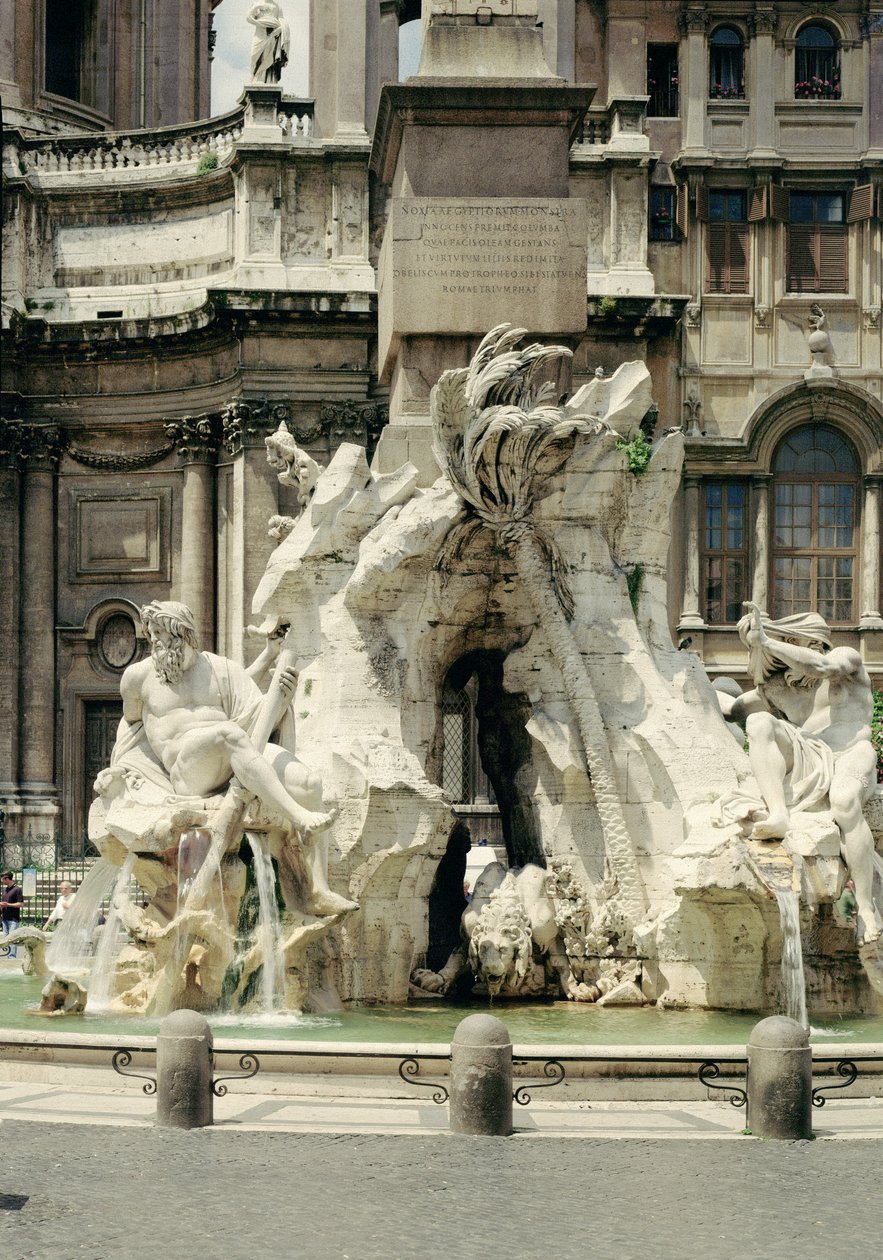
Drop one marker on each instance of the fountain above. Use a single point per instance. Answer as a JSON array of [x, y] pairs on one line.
[[643, 868], [271, 838]]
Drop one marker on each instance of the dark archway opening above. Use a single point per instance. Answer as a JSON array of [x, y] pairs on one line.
[[494, 722]]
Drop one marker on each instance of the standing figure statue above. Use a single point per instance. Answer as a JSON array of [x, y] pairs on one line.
[[271, 43], [191, 712], [808, 722]]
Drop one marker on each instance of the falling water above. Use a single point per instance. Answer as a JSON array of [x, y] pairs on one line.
[[101, 979], [268, 935], [70, 948], [793, 980]]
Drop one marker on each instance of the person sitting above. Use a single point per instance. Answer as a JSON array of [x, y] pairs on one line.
[[62, 905]]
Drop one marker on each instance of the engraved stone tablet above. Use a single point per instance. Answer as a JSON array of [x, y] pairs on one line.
[[460, 265]]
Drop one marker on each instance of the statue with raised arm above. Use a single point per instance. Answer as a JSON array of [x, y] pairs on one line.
[[808, 722], [271, 43], [192, 714]]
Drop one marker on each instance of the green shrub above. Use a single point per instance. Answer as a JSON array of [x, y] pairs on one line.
[[208, 162], [877, 732], [638, 452]]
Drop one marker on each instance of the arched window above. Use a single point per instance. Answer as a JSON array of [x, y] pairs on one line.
[[814, 551], [817, 64], [726, 65]]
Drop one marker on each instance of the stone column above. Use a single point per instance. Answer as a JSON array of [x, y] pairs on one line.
[[352, 26], [10, 577], [691, 615], [252, 499], [760, 512], [196, 438], [761, 79], [870, 555], [694, 92], [40, 450], [626, 56], [875, 75]]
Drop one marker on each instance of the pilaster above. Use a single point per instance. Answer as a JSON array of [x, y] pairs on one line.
[[39, 452], [196, 440], [691, 616], [869, 584]]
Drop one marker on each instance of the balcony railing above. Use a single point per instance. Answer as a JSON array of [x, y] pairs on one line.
[[145, 151]]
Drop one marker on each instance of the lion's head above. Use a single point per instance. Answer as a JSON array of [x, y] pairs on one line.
[[500, 948]]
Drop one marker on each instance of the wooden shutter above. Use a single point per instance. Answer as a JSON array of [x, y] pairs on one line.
[[702, 203], [833, 258], [757, 203], [803, 272], [779, 203], [818, 258], [718, 277], [682, 209], [739, 236], [861, 203], [727, 256]]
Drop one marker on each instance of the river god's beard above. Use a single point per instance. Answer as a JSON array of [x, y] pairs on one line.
[[169, 661]]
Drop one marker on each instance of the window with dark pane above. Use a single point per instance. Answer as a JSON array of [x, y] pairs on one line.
[[814, 544], [816, 64], [725, 550], [462, 776], [726, 64], [65, 34], [817, 243], [662, 214], [662, 80], [727, 241]]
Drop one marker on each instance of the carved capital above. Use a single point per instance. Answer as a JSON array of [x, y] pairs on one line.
[[247, 424], [195, 437], [762, 316], [693, 314], [347, 421], [30, 447], [872, 318], [764, 22], [693, 19]]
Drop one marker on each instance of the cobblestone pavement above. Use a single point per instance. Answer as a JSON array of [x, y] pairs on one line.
[[118, 1193]]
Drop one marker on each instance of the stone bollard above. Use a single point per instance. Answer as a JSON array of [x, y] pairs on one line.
[[481, 1077], [780, 1079], [184, 1098]]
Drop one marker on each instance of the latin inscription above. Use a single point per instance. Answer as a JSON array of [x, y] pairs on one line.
[[499, 250]]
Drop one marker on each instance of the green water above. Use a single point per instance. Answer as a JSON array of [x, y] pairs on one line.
[[557, 1023]]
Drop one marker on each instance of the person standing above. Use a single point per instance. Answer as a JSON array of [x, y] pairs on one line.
[[64, 903], [10, 907]]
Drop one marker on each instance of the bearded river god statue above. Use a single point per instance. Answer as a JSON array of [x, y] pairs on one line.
[[192, 773]]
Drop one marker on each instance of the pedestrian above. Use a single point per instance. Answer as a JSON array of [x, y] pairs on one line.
[[10, 907], [64, 903]]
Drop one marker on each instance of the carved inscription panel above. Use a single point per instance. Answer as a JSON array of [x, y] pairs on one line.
[[462, 265]]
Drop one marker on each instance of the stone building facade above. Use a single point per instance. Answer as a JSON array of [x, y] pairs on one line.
[[172, 288]]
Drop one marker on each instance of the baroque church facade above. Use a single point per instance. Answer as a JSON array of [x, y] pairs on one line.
[[174, 285]]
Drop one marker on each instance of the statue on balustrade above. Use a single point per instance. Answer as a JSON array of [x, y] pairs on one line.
[[271, 43]]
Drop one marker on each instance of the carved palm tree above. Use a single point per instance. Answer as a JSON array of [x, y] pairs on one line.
[[491, 425]]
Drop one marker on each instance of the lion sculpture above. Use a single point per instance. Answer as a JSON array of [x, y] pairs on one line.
[[507, 927]]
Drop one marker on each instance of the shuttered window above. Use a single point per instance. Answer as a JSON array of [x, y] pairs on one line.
[[727, 243], [817, 243], [725, 550]]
